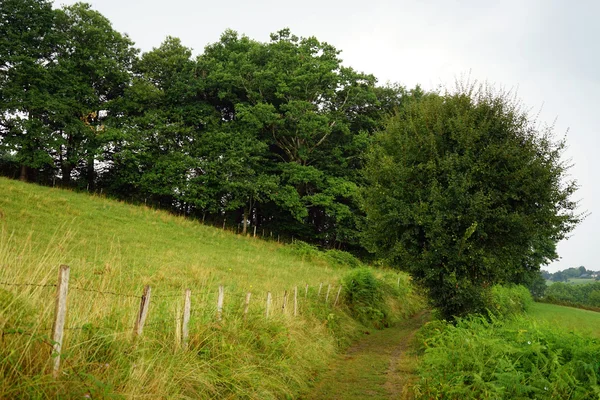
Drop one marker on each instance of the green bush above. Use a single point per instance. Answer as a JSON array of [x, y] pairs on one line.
[[516, 359], [305, 250], [508, 301], [343, 258], [364, 296]]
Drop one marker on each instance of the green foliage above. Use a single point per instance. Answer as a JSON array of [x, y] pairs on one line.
[[506, 360], [509, 301], [586, 294], [365, 297], [339, 257], [465, 191], [119, 248]]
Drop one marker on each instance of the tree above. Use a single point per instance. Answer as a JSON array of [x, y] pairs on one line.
[[314, 115], [26, 48], [465, 191], [91, 70]]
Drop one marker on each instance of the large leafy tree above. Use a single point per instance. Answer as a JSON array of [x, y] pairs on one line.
[[26, 48], [465, 191], [92, 69], [315, 117]]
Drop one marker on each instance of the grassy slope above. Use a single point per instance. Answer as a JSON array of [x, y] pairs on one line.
[[112, 246]]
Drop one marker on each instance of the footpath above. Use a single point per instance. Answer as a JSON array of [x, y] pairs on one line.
[[381, 365]]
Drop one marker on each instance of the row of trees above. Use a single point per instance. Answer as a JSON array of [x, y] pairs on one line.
[[565, 275], [461, 189], [265, 133]]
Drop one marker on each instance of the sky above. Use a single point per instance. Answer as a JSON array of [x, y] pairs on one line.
[[547, 52]]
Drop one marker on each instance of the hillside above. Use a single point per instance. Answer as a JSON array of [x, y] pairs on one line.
[[114, 250]]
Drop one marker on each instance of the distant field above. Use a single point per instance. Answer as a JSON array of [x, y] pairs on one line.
[[580, 281], [575, 281], [573, 319]]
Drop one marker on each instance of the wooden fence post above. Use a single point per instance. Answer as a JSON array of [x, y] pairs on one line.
[[295, 301], [60, 316], [143, 312], [187, 307], [337, 297], [224, 219], [220, 303], [254, 235], [247, 304], [284, 301], [398, 281], [327, 295], [268, 304], [306, 291], [320, 287]]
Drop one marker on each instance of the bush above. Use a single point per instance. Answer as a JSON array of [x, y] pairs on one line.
[[508, 301], [343, 258], [479, 359], [364, 295], [305, 250]]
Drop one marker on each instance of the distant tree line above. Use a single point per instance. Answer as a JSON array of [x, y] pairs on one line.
[[463, 189], [569, 273], [583, 295]]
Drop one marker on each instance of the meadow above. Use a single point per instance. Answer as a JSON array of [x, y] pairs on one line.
[[115, 249]]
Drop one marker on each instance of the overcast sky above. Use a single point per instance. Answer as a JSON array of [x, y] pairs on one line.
[[548, 51]]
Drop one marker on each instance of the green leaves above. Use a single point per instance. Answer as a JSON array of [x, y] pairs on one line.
[[463, 192]]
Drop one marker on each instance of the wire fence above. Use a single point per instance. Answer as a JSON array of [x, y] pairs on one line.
[[204, 305]]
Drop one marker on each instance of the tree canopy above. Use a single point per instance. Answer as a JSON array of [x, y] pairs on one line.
[[464, 191]]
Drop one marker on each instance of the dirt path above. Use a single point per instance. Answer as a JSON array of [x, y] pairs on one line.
[[379, 366]]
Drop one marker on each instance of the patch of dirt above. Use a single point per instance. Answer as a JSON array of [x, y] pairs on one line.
[[380, 365], [400, 373]]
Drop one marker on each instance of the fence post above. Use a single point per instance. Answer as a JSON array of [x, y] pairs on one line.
[[247, 304], [268, 304], [187, 307], [143, 312], [398, 281], [60, 316], [337, 296], [220, 303], [327, 295], [254, 235], [284, 301], [224, 219], [320, 287], [178, 326], [306, 291], [295, 301]]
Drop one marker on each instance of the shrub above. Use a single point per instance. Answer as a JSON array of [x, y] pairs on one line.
[[508, 301], [305, 250], [479, 359], [364, 295], [339, 258]]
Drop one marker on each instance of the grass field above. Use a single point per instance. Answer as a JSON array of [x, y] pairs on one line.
[[573, 319], [575, 281], [580, 281], [114, 247]]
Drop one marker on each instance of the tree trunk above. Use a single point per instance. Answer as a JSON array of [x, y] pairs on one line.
[[66, 169], [91, 174], [245, 221], [23, 174]]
